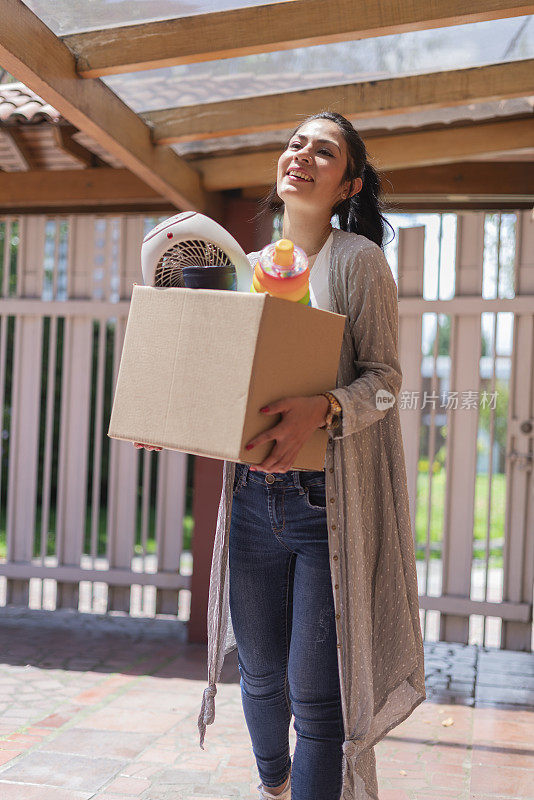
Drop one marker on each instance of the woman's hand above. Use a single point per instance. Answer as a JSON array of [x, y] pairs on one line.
[[146, 446], [301, 416]]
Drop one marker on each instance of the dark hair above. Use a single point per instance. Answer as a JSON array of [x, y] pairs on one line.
[[361, 213]]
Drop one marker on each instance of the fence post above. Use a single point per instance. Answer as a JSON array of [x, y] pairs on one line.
[[25, 405]]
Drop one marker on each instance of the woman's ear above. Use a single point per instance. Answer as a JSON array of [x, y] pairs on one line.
[[356, 186]]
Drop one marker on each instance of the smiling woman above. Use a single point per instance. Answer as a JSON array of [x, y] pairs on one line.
[[331, 155], [313, 574]]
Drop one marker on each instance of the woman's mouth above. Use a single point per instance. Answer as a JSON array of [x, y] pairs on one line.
[[298, 175]]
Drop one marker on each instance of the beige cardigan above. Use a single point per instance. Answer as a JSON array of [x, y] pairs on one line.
[[374, 579]]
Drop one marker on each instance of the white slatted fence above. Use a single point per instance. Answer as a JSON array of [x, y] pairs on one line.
[[88, 522]]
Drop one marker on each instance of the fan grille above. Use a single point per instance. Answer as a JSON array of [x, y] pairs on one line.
[[191, 253]]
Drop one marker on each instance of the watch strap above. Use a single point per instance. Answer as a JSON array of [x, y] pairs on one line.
[[333, 416]]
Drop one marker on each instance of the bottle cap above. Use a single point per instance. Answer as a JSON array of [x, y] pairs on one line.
[[283, 253], [282, 260]]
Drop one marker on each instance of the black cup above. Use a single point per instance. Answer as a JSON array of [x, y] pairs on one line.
[[210, 277]]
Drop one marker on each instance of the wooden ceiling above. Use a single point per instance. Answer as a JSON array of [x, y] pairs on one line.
[[128, 157]]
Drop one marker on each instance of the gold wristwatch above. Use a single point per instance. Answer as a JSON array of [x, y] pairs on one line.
[[333, 416]]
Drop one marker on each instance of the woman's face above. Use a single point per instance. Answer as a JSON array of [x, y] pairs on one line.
[[319, 151]]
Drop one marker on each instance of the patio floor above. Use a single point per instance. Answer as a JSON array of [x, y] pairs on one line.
[[106, 707]]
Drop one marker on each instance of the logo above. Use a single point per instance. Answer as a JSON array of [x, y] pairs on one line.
[[384, 399]]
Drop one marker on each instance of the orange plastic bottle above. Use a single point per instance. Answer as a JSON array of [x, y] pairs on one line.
[[282, 271]]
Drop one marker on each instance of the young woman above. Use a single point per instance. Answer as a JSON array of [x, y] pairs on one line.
[[313, 573]]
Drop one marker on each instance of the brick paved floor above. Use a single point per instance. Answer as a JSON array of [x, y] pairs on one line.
[[106, 707]]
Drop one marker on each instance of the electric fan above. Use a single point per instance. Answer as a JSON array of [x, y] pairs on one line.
[[191, 239]]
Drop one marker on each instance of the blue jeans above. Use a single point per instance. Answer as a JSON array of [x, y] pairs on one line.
[[282, 608]]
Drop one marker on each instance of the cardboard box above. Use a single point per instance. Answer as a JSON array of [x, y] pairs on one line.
[[198, 364]]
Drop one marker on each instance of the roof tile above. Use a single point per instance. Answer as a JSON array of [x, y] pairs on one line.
[[18, 104]]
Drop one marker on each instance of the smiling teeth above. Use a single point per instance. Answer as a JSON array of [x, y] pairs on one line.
[[299, 174]]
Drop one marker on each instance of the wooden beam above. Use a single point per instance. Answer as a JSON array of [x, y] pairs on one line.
[[392, 152], [476, 185], [107, 190], [163, 208], [401, 204], [467, 180], [63, 138], [449, 144], [263, 28], [89, 188], [417, 204], [362, 100], [19, 146], [48, 67]]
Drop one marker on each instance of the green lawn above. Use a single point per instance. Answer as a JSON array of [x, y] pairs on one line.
[[498, 491]]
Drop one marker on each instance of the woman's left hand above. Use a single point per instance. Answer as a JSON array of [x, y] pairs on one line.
[[301, 416]]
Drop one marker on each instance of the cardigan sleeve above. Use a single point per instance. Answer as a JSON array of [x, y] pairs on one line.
[[372, 311]]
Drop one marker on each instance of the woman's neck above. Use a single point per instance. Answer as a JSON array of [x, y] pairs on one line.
[[308, 233]]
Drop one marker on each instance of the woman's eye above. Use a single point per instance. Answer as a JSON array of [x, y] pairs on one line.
[[296, 144]]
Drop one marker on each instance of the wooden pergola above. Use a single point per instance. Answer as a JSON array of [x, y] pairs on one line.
[[467, 164], [95, 155]]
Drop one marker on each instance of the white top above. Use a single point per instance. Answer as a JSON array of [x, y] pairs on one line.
[[319, 276]]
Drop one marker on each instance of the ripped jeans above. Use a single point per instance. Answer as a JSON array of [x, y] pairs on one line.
[[282, 608]]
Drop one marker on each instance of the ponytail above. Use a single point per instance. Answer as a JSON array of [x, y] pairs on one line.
[[363, 212]]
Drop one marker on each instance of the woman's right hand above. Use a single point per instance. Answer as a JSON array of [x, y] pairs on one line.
[[146, 446]]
